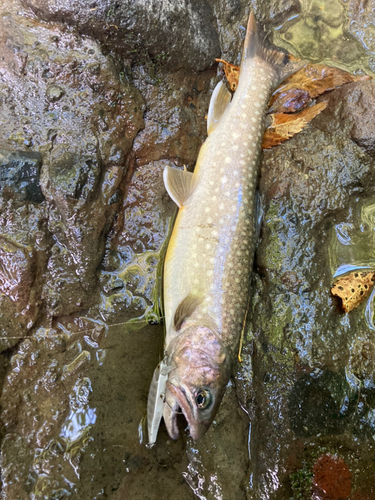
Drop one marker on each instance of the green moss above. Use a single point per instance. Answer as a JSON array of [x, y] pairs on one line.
[[301, 482]]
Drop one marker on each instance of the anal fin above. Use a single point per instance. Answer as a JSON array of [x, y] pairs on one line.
[[219, 102], [179, 184]]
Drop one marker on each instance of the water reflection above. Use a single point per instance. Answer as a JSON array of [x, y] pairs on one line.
[[353, 243], [81, 416], [321, 33]]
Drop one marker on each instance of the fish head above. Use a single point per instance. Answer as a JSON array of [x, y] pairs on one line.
[[197, 381]]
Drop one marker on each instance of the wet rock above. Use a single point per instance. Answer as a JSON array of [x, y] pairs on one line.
[[300, 343], [24, 254], [174, 123], [319, 403], [361, 27], [132, 264], [222, 444], [19, 175], [179, 34], [17, 267], [16, 463], [54, 93], [360, 101], [82, 117], [362, 360], [332, 478]]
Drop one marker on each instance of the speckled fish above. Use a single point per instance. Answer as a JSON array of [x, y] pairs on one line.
[[211, 250]]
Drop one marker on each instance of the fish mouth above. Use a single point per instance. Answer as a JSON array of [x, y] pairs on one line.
[[177, 400]]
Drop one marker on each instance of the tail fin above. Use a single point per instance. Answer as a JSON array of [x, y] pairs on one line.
[[277, 59]]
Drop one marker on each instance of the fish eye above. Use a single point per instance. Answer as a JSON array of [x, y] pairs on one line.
[[203, 399]]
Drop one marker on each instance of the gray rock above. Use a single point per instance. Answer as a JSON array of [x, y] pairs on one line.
[[19, 175], [175, 33]]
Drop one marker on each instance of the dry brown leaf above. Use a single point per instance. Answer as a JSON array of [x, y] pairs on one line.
[[232, 73], [284, 125], [353, 289], [309, 82]]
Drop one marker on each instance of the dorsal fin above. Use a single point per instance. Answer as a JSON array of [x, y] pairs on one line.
[[179, 184], [185, 308], [219, 102]]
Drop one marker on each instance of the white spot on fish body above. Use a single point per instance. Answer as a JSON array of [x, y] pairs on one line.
[[208, 246], [235, 135], [253, 119], [228, 159], [224, 179], [207, 209]]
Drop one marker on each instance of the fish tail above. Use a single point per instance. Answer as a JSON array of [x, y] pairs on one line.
[[278, 60]]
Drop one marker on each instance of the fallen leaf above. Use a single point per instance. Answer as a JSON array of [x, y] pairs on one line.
[[293, 95], [285, 125], [353, 289], [232, 73], [309, 82]]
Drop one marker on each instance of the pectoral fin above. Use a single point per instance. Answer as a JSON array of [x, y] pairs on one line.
[[179, 184], [185, 308], [219, 102]]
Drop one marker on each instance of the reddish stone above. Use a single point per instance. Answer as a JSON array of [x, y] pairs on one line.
[[333, 477]]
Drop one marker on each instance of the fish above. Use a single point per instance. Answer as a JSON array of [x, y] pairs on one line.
[[210, 254]]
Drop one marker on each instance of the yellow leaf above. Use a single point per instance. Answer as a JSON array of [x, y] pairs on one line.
[[232, 73], [353, 289]]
